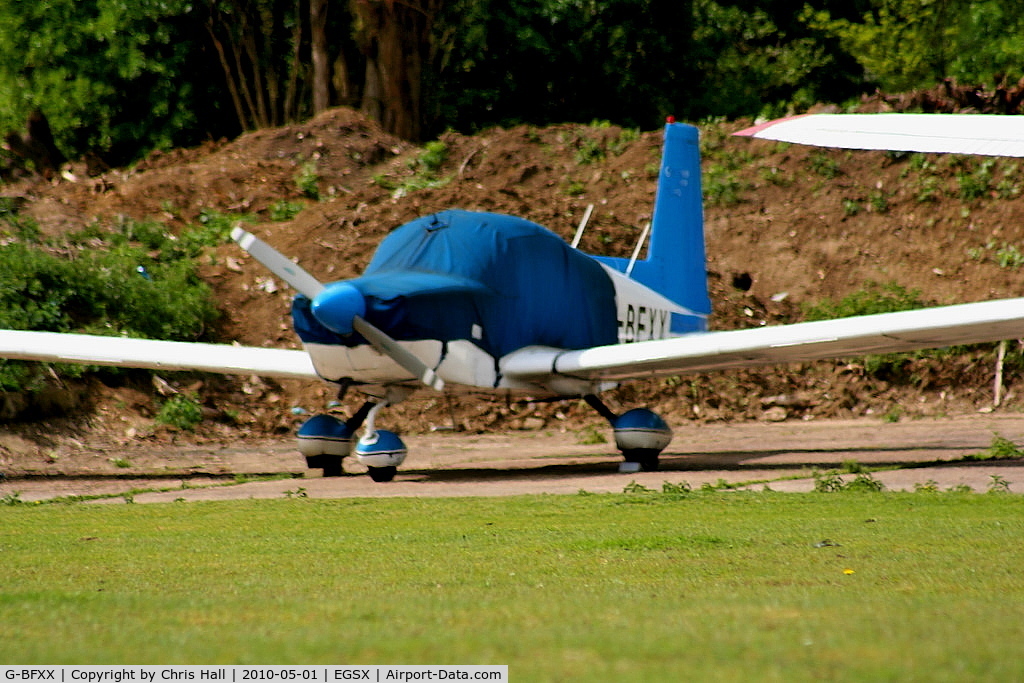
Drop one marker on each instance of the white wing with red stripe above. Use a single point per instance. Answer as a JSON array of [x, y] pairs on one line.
[[984, 134]]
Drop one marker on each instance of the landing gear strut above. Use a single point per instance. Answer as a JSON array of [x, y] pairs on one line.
[[380, 450], [640, 435], [325, 441]]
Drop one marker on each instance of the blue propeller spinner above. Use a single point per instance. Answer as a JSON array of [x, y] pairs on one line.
[[337, 306]]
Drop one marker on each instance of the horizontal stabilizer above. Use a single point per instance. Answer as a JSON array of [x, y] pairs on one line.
[[982, 134], [225, 359], [700, 352]]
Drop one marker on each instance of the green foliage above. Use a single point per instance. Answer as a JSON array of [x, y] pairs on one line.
[[721, 183], [1009, 256], [629, 61], [722, 186], [12, 224], [423, 169], [430, 160], [307, 179], [878, 202], [775, 176], [590, 435], [1001, 448], [833, 482], [575, 188], [752, 62], [928, 189], [120, 78], [554, 61], [636, 488], [589, 151], [998, 484], [681, 489], [871, 299], [284, 210], [12, 499], [593, 143], [822, 163], [1004, 255], [136, 281], [893, 415], [111, 76], [1007, 187], [214, 228], [975, 183], [181, 412], [907, 44]]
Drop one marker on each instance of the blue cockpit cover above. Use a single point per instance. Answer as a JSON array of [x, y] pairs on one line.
[[499, 281]]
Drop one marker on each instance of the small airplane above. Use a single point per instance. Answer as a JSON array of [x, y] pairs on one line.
[[481, 302]]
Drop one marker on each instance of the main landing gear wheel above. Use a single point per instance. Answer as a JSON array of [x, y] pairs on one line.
[[640, 435], [640, 459], [382, 474], [330, 464]]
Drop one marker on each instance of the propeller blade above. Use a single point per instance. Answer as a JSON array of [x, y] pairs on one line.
[[277, 263], [286, 269], [390, 348]]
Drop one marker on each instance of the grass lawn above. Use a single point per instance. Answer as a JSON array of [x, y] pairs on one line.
[[633, 586]]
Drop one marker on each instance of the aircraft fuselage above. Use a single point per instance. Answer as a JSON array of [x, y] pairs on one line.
[[464, 290]]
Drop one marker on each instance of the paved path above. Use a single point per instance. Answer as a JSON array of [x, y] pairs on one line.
[[783, 456]]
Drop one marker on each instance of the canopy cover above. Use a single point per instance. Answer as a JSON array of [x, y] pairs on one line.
[[499, 281]]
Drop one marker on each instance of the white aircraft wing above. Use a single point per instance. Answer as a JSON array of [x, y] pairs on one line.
[[984, 134], [54, 347], [703, 351]]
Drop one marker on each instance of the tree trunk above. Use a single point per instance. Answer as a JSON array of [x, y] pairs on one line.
[[321, 61], [395, 36]]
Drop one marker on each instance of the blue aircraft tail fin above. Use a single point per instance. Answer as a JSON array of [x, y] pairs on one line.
[[675, 264]]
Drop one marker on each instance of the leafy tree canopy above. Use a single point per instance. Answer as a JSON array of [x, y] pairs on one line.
[[112, 76], [120, 77], [908, 44]]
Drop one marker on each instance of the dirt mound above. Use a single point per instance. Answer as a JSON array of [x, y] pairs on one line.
[[950, 97], [785, 226]]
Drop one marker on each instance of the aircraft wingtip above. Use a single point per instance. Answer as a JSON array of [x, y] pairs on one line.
[[755, 130]]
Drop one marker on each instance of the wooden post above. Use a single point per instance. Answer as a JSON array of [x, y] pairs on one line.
[[1000, 357]]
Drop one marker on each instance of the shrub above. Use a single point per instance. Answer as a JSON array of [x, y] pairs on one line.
[[872, 298], [181, 412], [134, 281]]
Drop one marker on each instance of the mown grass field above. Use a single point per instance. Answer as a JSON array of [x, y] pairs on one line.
[[633, 586]]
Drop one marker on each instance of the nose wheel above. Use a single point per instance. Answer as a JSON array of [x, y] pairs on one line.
[[380, 450], [326, 440], [382, 474]]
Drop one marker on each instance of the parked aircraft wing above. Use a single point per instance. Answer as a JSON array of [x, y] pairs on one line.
[[984, 134], [54, 347], [699, 352]]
